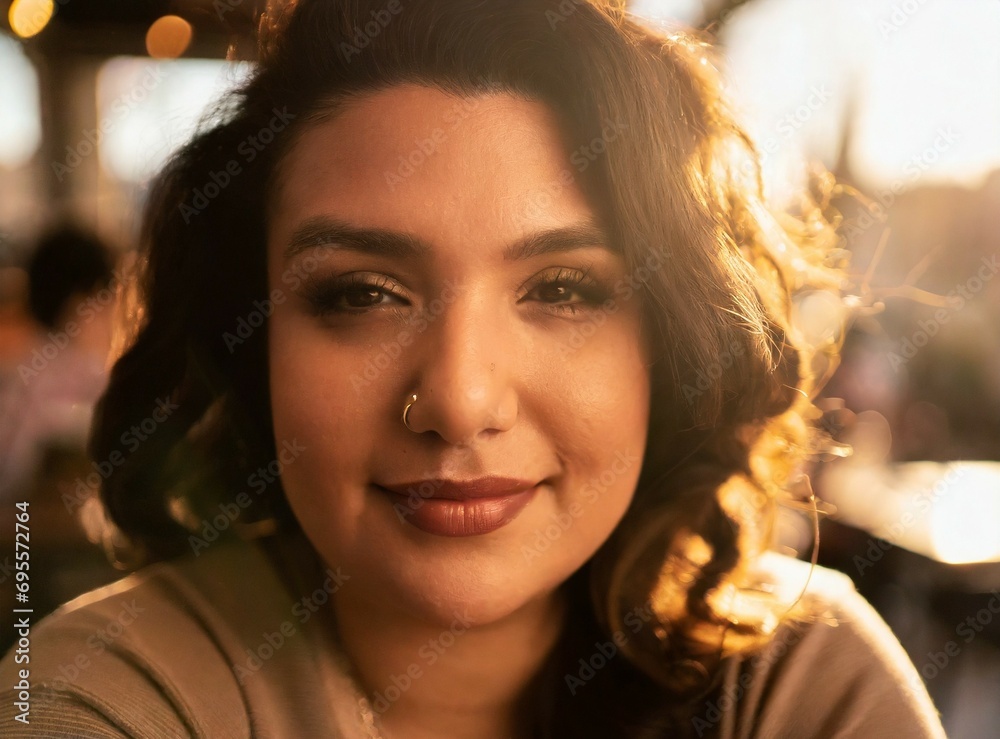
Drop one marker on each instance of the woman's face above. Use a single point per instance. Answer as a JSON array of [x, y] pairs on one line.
[[428, 243]]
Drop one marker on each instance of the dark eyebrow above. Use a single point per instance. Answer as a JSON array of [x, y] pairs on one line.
[[325, 232], [554, 240]]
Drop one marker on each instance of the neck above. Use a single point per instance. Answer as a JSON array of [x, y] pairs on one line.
[[455, 680]]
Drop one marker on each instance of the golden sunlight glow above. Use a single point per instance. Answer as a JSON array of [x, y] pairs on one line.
[[28, 17], [688, 554], [965, 526], [947, 511], [820, 315], [857, 74]]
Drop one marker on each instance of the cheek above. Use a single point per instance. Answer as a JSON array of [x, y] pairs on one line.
[[309, 405], [313, 401], [303, 399], [601, 426], [604, 394], [311, 381]]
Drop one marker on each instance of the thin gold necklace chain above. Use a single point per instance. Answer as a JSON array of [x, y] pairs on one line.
[[368, 717], [366, 714], [368, 720]]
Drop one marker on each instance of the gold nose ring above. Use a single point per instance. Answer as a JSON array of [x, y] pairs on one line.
[[406, 410]]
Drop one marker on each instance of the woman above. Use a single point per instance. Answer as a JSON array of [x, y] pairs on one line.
[[470, 348]]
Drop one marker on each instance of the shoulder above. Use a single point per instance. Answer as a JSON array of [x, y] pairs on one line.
[[172, 650], [837, 672]]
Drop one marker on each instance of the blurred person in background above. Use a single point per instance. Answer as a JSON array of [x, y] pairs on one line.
[[47, 394]]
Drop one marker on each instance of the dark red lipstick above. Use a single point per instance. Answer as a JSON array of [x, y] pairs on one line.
[[461, 507]]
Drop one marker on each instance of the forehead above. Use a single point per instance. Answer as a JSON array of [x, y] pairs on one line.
[[418, 159]]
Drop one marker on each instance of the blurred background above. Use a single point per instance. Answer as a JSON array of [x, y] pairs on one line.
[[899, 99]]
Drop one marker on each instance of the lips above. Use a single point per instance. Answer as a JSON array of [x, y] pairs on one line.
[[483, 487], [469, 508]]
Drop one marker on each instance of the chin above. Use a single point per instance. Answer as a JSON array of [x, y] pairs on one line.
[[483, 598]]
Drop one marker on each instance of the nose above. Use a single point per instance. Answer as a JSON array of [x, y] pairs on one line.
[[463, 382]]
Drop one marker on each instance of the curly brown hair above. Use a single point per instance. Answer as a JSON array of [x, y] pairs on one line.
[[731, 381]]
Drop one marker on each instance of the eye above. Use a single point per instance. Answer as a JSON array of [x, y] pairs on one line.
[[567, 291], [360, 297], [555, 292], [351, 294]]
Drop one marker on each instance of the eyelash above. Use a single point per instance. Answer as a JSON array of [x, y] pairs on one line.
[[325, 297], [591, 290]]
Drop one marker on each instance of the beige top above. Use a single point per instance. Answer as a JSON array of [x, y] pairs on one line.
[[217, 646]]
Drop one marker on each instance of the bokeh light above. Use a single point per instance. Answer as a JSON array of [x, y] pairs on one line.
[[20, 123], [168, 37], [28, 17]]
